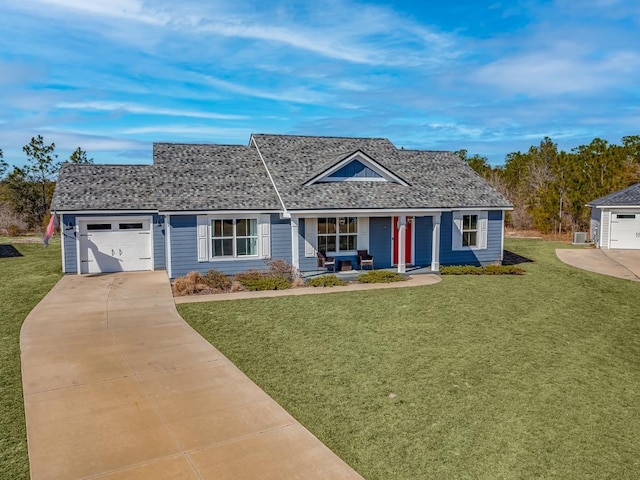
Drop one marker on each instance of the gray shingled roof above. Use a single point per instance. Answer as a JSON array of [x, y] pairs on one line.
[[187, 177], [628, 196], [105, 187], [211, 177], [437, 179]]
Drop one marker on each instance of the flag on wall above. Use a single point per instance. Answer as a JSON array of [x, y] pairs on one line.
[[51, 228]]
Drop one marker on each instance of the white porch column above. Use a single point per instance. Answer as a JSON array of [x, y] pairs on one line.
[[167, 245], [435, 243], [402, 243], [295, 250]]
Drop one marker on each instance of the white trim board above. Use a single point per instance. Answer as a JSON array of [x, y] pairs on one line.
[[359, 155]]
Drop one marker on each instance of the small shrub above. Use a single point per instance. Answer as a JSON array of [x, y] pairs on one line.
[[283, 269], [380, 276], [217, 280], [10, 223], [503, 270], [326, 281], [237, 286], [13, 230], [461, 270], [298, 282], [254, 280], [189, 284], [488, 270]]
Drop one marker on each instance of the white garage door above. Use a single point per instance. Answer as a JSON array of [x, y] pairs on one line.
[[625, 230], [115, 245]]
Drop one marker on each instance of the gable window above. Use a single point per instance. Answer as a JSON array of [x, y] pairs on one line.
[[236, 237], [337, 234], [470, 230]]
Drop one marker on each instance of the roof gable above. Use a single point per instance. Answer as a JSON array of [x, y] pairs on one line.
[[429, 179], [355, 167]]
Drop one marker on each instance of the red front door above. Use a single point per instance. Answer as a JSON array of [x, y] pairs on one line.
[[407, 243]]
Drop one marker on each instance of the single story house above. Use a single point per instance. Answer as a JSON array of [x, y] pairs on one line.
[[615, 219], [233, 208]]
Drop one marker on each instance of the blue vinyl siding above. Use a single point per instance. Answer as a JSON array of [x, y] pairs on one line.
[[423, 240], [491, 254], [68, 229], [280, 238], [306, 264], [184, 248], [355, 169], [159, 257], [380, 241]]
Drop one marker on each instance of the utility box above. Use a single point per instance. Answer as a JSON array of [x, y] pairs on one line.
[[580, 238]]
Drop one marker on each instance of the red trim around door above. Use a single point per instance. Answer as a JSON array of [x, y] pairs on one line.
[[408, 240]]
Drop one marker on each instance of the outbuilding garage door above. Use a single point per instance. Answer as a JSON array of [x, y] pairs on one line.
[[115, 245], [625, 230]]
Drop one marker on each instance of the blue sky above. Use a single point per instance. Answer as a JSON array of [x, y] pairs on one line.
[[490, 77]]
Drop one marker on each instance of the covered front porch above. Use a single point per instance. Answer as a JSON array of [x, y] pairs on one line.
[[400, 241]]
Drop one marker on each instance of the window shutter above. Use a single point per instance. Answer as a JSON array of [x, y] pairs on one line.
[[265, 235], [363, 233], [310, 236], [483, 226], [203, 238], [456, 234]]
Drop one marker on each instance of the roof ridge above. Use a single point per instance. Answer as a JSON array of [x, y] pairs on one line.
[[199, 144], [321, 136], [426, 151], [108, 164]]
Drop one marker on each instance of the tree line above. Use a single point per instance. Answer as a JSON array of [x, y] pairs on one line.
[[550, 188], [26, 192]]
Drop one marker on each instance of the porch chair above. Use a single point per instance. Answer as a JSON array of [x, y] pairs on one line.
[[326, 262], [364, 259]]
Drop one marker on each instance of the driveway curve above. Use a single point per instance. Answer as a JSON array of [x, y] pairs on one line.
[[615, 263], [117, 386]]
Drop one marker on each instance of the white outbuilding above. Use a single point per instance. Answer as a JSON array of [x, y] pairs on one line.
[[615, 219]]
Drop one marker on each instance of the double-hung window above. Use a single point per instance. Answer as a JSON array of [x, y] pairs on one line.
[[337, 234], [237, 237], [469, 230]]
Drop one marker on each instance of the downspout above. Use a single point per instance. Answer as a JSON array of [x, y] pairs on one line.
[[285, 213]]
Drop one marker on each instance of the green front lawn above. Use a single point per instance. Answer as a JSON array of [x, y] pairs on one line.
[[478, 377], [23, 282]]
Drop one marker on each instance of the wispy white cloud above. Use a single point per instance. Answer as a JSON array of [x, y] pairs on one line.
[[357, 33], [454, 129], [203, 132], [120, 107], [559, 71], [124, 9], [293, 94]]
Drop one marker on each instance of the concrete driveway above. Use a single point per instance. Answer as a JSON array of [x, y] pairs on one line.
[[117, 386], [616, 263]]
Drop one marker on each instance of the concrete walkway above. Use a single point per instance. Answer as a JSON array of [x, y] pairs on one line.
[[616, 263], [118, 386], [416, 280]]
